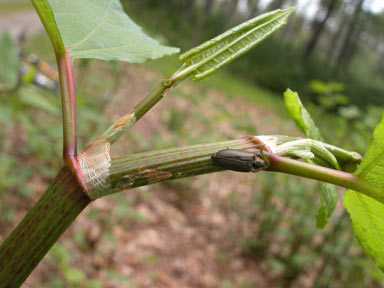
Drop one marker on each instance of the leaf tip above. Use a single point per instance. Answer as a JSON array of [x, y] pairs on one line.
[[289, 92], [289, 10]]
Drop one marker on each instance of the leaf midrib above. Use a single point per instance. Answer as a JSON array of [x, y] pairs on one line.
[[244, 35], [370, 166]]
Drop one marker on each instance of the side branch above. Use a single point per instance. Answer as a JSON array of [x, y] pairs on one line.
[[340, 178], [168, 164], [115, 131]]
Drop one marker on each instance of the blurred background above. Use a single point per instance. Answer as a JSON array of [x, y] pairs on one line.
[[220, 230]]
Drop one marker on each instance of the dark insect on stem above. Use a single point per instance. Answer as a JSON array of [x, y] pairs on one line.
[[239, 160]]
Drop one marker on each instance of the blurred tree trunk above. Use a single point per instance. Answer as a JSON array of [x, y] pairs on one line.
[[343, 54], [231, 10], [275, 4], [293, 30], [208, 6], [317, 29], [334, 43], [253, 8], [352, 48]]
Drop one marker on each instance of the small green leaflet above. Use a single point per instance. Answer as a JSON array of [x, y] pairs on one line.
[[328, 199], [223, 49], [300, 115], [302, 118], [367, 214], [98, 29]]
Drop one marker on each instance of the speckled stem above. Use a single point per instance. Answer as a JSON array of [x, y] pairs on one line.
[[115, 131], [41, 228], [156, 166]]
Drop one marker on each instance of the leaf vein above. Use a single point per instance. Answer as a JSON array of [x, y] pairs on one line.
[[101, 49], [371, 165], [94, 30], [372, 223]]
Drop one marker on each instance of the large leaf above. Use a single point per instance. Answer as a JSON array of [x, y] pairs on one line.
[[303, 119], [366, 213], [99, 29], [9, 60], [223, 49]]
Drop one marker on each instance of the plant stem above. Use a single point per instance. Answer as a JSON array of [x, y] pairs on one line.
[[44, 11], [115, 131], [68, 101], [65, 199], [175, 163], [41, 228], [67, 87], [340, 178]]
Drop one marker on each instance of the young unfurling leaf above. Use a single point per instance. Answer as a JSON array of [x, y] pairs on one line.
[[212, 55]]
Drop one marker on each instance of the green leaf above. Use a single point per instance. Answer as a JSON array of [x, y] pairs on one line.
[[223, 49], [100, 29], [366, 213], [303, 119], [328, 198], [300, 115], [9, 60]]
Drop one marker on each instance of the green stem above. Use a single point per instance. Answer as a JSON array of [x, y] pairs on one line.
[[340, 178], [65, 198], [156, 166], [67, 87], [45, 13], [115, 131], [68, 100], [41, 228]]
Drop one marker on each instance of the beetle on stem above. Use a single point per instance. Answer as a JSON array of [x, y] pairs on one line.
[[239, 160]]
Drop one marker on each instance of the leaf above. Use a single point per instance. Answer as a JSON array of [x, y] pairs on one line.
[[303, 119], [366, 213], [99, 29], [300, 115], [9, 60], [328, 199], [223, 49]]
